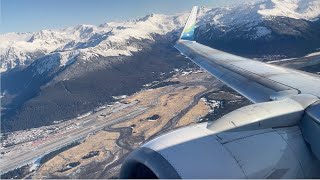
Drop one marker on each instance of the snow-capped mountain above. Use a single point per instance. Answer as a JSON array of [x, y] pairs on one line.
[[263, 28], [249, 15], [59, 74], [112, 39], [297, 9]]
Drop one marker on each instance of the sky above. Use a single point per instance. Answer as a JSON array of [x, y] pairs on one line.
[[34, 15]]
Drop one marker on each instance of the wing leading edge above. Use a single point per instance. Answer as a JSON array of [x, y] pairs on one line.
[[257, 81]]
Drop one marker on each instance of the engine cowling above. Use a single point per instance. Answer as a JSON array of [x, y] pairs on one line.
[[257, 141], [197, 152]]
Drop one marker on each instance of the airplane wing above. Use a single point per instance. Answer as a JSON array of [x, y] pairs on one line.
[[257, 81], [284, 97], [276, 137]]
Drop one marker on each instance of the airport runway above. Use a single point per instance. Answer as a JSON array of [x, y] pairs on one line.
[[26, 157]]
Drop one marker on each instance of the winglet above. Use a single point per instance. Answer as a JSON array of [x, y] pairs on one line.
[[188, 30]]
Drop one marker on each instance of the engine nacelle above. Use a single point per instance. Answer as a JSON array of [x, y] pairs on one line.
[[310, 126], [197, 152]]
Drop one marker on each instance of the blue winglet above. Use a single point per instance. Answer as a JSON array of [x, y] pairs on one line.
[[188, 30]]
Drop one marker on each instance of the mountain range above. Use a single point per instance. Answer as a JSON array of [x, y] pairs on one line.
[[54, 75]]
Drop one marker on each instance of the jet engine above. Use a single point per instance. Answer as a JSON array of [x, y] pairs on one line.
[[257, 141]]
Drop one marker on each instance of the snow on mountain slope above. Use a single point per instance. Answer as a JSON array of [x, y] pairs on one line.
[[297, 9], [117, 42], [56, 59], [110, 39], [18, 49], [123, 38], [253, 12]]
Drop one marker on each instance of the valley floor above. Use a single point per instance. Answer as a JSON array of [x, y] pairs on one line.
[[112, 131]]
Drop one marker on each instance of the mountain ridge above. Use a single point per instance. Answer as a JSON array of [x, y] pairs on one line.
[[20, 49]]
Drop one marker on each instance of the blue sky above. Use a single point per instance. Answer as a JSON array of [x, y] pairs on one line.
[[34, 15]]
